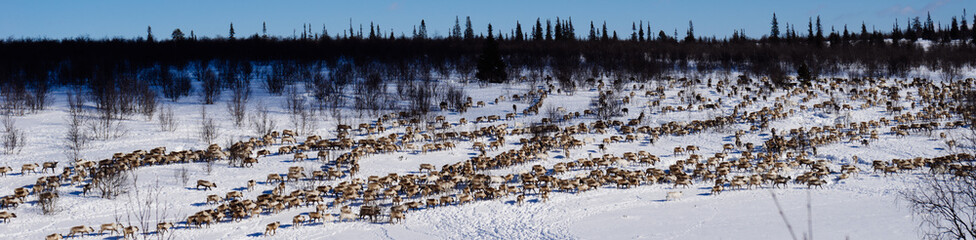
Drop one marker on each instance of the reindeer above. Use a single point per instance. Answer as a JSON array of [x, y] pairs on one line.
[[6, 216], [32, 167], [207, 185], [49, 165], [272, 228], [111, 227], [130, 231], [81, 229]]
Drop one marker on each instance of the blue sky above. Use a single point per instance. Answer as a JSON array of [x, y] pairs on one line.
[[129, 18]]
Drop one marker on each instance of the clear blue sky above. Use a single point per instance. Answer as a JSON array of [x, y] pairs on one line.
[[129, 18]]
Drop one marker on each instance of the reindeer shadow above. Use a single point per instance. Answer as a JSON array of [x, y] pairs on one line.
[[257, 234], [240, 189], [201, 204]]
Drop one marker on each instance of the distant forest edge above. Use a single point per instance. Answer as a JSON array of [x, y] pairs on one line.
[[548, 50]]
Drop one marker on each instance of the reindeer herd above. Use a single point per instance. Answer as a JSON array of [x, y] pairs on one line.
[[784, 157]]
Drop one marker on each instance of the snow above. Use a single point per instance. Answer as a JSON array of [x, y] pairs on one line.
[[865, 206]]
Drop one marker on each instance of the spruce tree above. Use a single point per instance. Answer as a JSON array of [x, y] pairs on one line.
[[149, 36], [548, 30], [491, 68], [690, 37], [231, 31], [456, 31], [423, 30], [605, 37], [264, 29], [774, 30], [954, 29], [640, 32], [592, 35], [518, 31], [468, 31], [633, 34], [537, 34]]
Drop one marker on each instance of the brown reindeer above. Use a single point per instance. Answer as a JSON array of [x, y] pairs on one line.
[[272, 228], [207, 185], [80, 229]]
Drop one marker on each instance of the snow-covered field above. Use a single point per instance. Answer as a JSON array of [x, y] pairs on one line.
[[864, 206]]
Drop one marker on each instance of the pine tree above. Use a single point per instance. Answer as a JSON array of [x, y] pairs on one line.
[[456, 31], [423, 30], [633, 34], [559, 30], [661, 36], [774, 30], [548, 30], [372, 33], [537, 34], [928, 31], [864, 32], [491, 68], [264, 29], [954, 29], [964, 26], [149, 36], [820, 36], [518, 31], [640, 33], [592, 35], [605, 37], [177, 35], [690, 37], [468, 31], [231, 31]]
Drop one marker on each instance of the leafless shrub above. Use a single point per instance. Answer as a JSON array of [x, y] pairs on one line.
[[208, 166], [182, 174], [210, 86], [237, 104], [553, 113], [261, 121], [148, 101], [75, 137], [111, 183], [167, 119], [421, 95], [946, 206], [146, 208], [105, 126], [208, 128], [302, 117], [175, 86], [455, 97], [13, 139]]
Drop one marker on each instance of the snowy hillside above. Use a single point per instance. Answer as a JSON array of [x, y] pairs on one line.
[[863, 204]]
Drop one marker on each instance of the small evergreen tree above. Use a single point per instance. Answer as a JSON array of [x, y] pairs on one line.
[[690, 37], [491, 68], [548, 30], [537, 34], [468, 31], [456, 31], [149, 36], [803, 73], [592, 35], [518, 31], [264, 29], [231, 31], [774, 30], [422, 34]]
